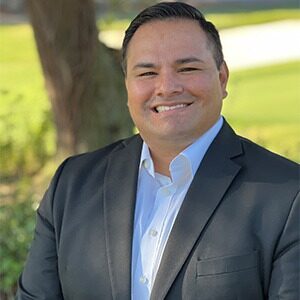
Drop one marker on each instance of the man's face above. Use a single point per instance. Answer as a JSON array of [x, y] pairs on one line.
[[174, 87]]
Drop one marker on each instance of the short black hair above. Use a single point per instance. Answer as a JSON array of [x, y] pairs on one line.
[[174, 10]]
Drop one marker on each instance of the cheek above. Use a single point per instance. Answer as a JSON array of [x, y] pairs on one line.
[[139, 88], [207, 88], [137, 97]]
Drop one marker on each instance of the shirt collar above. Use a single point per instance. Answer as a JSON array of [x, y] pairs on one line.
[[146, 160], [193, 153], [196, 151]]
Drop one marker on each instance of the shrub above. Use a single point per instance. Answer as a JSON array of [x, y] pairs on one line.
[[16, 230]]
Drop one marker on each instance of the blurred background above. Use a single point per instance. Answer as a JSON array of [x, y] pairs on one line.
[[62, 92]]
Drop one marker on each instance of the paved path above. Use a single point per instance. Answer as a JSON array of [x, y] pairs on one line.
[[248, 46], [264, 44]]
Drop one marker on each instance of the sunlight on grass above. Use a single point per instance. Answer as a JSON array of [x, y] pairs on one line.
[[26, 132], [263, 104], [228, 20]]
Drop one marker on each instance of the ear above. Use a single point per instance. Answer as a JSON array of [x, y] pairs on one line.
[[223, 76], [125, 82]]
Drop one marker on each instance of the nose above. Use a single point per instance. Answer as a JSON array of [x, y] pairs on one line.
[[168, 84]]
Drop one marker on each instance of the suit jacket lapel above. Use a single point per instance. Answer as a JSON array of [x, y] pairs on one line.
[[210, 183], [120, 185]]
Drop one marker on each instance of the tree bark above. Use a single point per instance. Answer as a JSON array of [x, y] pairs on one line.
[[83, 78]]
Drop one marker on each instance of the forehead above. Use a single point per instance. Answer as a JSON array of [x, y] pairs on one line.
[[168, 37]]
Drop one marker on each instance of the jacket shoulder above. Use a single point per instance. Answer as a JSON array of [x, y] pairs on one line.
[[267, 163], [85, 165]]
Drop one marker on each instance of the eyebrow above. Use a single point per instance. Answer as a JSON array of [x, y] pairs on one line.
[[143, 65], [188, 60], [180, 61]]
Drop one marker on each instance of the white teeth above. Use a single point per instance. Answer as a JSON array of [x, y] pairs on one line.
[[162, 108]]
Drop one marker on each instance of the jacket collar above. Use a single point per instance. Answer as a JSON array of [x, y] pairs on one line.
[[120, 184]]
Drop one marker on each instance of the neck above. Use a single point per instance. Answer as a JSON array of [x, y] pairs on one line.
[[161, 163]]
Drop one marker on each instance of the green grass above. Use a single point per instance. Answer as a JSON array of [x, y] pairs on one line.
[[20, 72], [25, 130], [228, 20], [263, 104]]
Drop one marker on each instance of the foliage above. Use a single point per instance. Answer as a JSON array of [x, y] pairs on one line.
[[17, 225]]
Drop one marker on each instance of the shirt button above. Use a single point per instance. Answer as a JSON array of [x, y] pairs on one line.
[[166, 192], [146, 164], [153, 232], [143, 280]]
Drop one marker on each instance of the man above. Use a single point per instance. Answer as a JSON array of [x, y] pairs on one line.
[[185, 210]]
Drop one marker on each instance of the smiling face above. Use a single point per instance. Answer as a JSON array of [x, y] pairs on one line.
[[174, 87]]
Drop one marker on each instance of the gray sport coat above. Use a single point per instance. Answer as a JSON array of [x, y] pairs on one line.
[[236, 235]]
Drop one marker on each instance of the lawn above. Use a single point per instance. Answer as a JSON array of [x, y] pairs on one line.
[[25, 129], [228, 20], [263, 104]]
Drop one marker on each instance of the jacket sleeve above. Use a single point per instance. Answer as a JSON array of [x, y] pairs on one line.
[[285, 279], [40, 277]]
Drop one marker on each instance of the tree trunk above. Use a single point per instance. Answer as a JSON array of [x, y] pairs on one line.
[[83, 78]]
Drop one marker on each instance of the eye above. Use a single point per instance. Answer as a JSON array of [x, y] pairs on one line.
[[145, 74], [188, 69]]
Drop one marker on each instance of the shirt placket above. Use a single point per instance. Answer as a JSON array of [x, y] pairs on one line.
[[151, 240]]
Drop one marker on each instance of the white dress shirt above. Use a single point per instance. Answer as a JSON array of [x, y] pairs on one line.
[[158, 201]]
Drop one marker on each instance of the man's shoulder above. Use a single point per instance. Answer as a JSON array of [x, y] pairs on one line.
[[252, 156], [267, 162], [106, 150], [95, 160]]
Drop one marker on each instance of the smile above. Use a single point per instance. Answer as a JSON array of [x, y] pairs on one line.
[[162, 108]]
